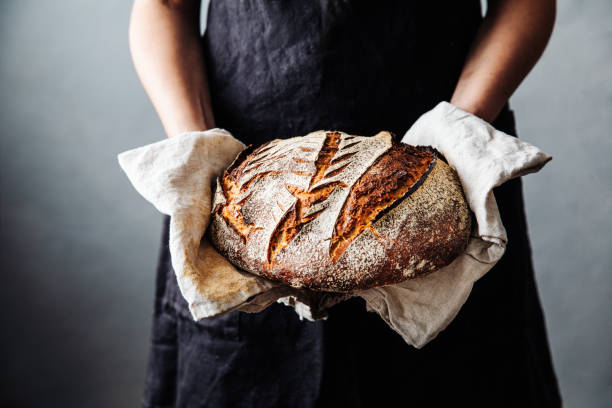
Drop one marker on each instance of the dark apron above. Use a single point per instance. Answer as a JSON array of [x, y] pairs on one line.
[[284, 68]]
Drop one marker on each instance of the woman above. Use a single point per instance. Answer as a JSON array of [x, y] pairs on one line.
[[272, 69]]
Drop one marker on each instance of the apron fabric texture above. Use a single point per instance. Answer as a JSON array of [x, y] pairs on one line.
[[279, 69]]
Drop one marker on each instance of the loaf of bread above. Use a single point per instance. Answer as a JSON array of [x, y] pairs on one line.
[[334, 212]]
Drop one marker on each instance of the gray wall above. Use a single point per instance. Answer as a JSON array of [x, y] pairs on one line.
[[79, 246], [565, 107]]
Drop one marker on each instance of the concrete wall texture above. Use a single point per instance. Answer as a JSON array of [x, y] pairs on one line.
[[79, 246]]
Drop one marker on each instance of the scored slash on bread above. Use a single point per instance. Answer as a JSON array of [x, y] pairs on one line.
[[335, 212]]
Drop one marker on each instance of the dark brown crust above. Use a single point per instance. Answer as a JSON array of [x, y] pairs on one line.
[[435, 234], [388, 180], [415, 213], [296, 217]]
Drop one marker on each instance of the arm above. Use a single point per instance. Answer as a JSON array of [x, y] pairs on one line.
[[511, 39], [166, 50]]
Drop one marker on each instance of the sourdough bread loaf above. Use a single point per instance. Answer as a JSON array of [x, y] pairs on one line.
[[335, 212]]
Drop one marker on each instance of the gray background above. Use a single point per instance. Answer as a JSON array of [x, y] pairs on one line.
[[79, 246]]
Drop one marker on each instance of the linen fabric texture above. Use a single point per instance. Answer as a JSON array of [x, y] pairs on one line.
[[176, 176]]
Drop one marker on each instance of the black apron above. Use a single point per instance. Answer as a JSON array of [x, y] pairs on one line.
[[279, 69]]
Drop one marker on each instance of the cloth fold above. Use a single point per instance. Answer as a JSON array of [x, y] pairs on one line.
[[176, 176]]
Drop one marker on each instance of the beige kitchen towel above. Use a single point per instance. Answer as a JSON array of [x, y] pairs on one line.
[[484, 158], [176, 176]]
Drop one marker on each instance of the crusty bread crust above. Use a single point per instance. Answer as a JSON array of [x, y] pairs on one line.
[[341, 213]]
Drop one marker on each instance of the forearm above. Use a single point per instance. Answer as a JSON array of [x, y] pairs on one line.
[[511, 39], [165, 47]]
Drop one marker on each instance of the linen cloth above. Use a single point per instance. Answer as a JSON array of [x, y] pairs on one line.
[[177, 175]]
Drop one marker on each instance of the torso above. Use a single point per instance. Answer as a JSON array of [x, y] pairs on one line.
[[279, 69], [284, 68]]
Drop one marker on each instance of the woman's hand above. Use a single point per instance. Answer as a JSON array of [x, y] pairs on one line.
[[166, 50], [511, 39]]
